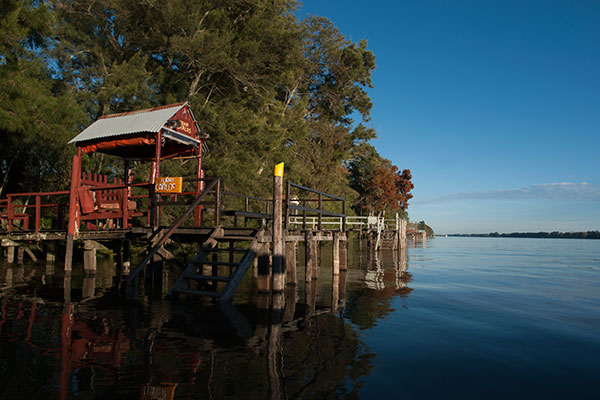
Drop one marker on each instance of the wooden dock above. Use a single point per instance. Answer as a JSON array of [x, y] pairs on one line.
[[221, 233]]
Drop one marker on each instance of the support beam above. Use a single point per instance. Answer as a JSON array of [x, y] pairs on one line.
[[73, 227]]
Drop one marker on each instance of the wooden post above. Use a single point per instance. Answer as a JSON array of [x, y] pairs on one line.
[[290, 263], [344, 254], [342, 290], [290, 303], [38, 213], [20, 254], [336, 253], [311, 298], [278, 239], [264, 270], [274, 347], [73, 227], [126, 250], [199, 186], [155, 175], [10, 254], [88, 287], [89, 257], [50, 253], [335, 293], [311, 256]]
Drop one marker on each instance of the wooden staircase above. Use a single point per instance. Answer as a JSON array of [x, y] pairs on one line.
[[219, 266]]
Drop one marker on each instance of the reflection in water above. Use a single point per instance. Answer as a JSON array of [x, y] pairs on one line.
[[86, 341], [384, 277]]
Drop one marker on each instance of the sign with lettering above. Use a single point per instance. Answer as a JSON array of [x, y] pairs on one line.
[[168, 184]]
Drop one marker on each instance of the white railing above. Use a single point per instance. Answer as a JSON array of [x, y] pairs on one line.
[[352, 222]]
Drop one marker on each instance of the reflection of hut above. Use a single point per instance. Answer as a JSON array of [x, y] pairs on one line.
[[151, 135]]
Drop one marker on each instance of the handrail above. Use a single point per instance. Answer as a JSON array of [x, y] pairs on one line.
[[171, 230], [319, 211], [12, 216], [315, 191]]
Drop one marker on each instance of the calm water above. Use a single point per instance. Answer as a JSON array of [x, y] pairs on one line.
[[460, 317]]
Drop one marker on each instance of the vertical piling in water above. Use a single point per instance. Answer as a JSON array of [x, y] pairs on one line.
[[344, 254], [290, 263], [20, 254], [336, 254], [50, 252], [311, 257], [264, 269], [89, 257], [10, 254], [278, 239]]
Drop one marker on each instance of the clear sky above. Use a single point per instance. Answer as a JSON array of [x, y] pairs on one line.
[[493, 105]]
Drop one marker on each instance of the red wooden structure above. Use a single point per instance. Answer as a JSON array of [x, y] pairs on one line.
[[151, 135]]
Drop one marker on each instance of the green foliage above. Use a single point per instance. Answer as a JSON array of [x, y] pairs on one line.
[[422, 226], [264, 85], [37, 112]]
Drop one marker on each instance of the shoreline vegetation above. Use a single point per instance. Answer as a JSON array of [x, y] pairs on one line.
[[540, 235], [264, 83]]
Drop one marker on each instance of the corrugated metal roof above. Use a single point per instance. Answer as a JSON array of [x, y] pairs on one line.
[[151, 120]]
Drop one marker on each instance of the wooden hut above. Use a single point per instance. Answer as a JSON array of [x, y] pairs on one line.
[[151, 135]]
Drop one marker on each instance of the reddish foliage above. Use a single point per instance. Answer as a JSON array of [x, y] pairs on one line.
[[388, 189]]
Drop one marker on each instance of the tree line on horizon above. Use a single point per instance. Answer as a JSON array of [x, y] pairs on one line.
[[266, 85], [548, 235]]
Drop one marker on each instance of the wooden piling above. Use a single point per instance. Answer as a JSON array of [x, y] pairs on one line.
[[10, 254], [50, 253], [336, 254], [344, 254], [278, 239], [311, 256], [290, 303], [69, 253], [311, 298], [290, 263], [20, 254], [89, 257], [264, 270], [335, 293]]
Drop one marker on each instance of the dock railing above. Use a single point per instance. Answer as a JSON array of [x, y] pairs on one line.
[[304, 204], [16, 205], [353, 223]]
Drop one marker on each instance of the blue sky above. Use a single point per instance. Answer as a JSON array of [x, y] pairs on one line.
[[493, 105]]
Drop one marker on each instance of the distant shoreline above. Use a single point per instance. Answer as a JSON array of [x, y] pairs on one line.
[[540, 235]]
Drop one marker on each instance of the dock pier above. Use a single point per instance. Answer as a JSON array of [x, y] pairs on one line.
[[219, 234]]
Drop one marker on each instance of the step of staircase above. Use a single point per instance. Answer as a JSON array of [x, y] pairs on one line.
[[233, 238], [224, 263], [225, 250], [196, 292], [238, 268], [196, 277]]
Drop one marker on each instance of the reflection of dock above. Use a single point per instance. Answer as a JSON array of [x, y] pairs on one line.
[[294, 343]]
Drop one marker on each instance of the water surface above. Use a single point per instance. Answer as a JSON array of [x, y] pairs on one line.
[[457, 317]]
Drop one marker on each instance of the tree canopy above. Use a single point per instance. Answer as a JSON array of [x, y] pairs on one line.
[[266, 86]]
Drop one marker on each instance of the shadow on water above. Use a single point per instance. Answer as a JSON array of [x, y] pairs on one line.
[[75, 336]]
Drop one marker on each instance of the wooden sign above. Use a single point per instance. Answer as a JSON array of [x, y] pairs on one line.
[[163, 391], [168, 184]]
